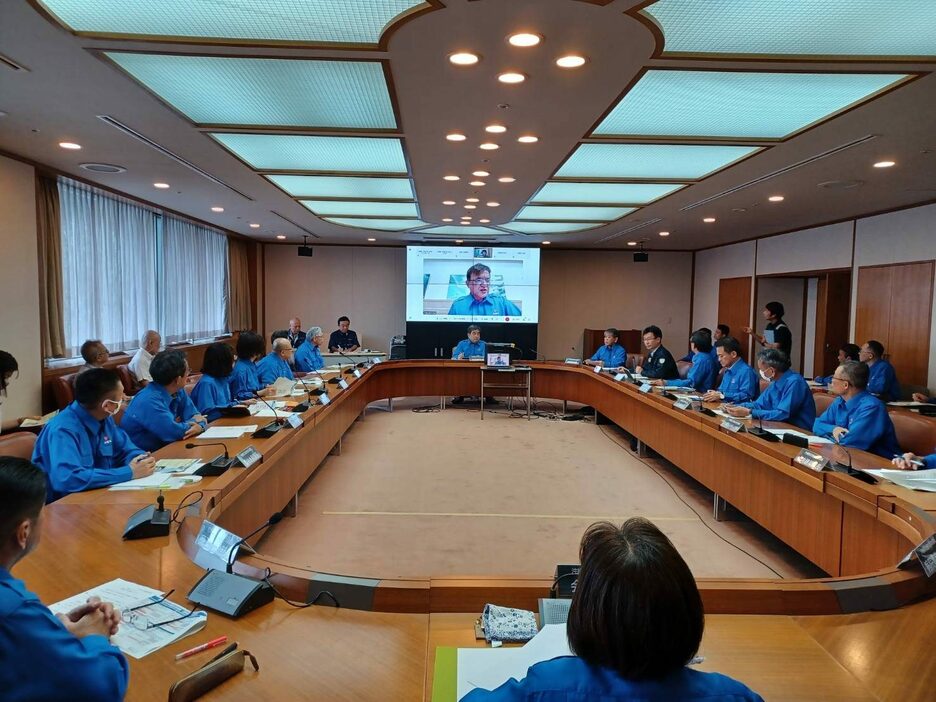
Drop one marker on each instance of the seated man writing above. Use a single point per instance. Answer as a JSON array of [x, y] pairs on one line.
[[48, 657], [82, 448], [163, 412], [786, 399], [739, 382], [610, 354]]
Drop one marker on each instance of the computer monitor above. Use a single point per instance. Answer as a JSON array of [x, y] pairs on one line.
[[498, 360]]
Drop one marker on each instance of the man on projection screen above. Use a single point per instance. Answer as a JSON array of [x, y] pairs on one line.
[[479, 302]]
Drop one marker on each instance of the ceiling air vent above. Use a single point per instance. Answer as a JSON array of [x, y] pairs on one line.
[[103, 168], [11, 64]]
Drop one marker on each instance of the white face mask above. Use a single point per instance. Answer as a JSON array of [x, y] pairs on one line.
[[116, 410], [764, 376]]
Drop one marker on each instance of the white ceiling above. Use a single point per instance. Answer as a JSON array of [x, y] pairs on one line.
[[67, 86]]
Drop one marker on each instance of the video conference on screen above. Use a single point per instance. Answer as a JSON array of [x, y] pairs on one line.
[[472, 284]]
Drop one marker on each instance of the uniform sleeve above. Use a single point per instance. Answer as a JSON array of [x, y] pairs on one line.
[[187, 410], [68, 471], [825, 423], [89, 668], [595, 355], [697, 376], [124, 448], [930, 461], [618, 357], [865, 425], [747, 390], [459, 348], [792, 396], [161, 422]]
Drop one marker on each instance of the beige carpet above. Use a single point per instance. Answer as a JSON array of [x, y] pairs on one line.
[[444, 493]]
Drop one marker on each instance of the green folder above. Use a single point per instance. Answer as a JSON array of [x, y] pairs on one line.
[[445, 674]]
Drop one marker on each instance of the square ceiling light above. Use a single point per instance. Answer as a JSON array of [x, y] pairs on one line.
[[737, 104], [314, 186], [574, 214], [266, 92], [390, 225], [839, 28], [357, 208], [649, 161], [334, 154], [551, 227], [604, 193], [304, 21], [467, 229]]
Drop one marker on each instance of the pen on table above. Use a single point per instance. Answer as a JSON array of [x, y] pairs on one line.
[[204, 647], [914, 462]]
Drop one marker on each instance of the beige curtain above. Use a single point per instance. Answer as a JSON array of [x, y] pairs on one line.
[[49, 226], [238, 311]]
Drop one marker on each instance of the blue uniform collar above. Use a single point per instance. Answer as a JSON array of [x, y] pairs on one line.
[[856, 400], [87, 421]]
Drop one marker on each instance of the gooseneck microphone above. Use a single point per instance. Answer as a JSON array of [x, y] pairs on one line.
[[270, 429], [537, 354], [275, 518], [350, 360], [217, 465]]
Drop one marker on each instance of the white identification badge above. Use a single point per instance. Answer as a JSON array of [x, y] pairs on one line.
[[324, 399]]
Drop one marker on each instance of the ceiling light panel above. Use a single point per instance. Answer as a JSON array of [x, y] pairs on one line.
[[290, 152], [469, 229], [550, 227], [306, 21], [604, 193], [736, 104], [574, 214], [845, 28], [267, 92], [650, 160], [361, 208], [389, 225], [344, 187]]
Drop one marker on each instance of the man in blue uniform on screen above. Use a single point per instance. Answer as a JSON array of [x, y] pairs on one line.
[[479, 302]]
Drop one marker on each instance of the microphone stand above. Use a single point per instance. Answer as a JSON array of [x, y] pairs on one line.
[[275, 518], [762, 433], [350, 360], [270, 429], [217, 465]]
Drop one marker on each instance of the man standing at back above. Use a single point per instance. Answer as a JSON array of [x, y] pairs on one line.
[[48, 657]]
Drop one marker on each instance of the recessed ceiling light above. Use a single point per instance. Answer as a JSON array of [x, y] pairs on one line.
[[524, 39], [632, 243], [69, 145], [161, 186], [458, 241], [492, 204], [884, 164], [511, 77], [471, 199], [480, 174], [488, 146], [448, 202], [464, 58], [528, 139], [546, 243], [776, 198], [254, 225], [451, 177], [664, 233], [280, 236], [477, 183], [708, 220], [446, 219], [570, 61], [371, 239], [470, 207], [217, 209], [484, 221], [102, 168], [495, 129], [455, 136], [506, 179]]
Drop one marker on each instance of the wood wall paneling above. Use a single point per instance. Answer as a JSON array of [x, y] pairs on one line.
[[734, 308]]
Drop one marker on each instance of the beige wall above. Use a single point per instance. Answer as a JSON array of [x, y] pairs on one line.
[[19, 287], [789, 291]]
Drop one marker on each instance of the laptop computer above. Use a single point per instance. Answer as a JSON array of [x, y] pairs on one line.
[[498, 360]]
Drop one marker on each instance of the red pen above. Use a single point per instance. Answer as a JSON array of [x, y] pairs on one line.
[[204, 647]]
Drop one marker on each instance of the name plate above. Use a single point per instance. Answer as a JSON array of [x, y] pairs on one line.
[[294, 420], [597, 369], [375, 360], [811, 459], [343, 384], [645, 387], [249, 456], [573, 361], [732, 425], [324, 399], [619, 377], [357, 373], [683, 403]]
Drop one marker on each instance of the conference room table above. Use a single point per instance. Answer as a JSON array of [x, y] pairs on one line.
[[788, 638]]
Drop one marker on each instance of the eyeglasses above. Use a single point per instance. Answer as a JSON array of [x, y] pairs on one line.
[[142, 622], [479, 281], [841, 380]]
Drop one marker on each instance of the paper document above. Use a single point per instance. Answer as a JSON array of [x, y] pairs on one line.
[[229, 432], [267, 412], [42, 421], [157, 481], [811, 439], [283, 386], [901, 403], [177, 465], [133, 638], [923, 480]]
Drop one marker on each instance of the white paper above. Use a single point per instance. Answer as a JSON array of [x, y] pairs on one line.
[[267, 412], [723, 413], [226, 432], [132, 641], [811, 439], [923, 480], [179, 466], [157, 481], [901, 403]]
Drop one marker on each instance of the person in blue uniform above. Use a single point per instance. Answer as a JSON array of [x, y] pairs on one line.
[[739, 382], [856, 418], [610, 354], [635, 623], [308, 357], [48, 657], [245, 381], [787, 397], [777, 334], [213, 389], [162, 412], [479, 302], [704, 371], [883, 380], [848, 352], [82, 448], [344, 338], [658, 363], [910, 461], [689, 356], [470, 347], [276, 363]]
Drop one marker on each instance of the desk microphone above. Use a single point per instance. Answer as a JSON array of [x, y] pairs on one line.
[[270, 429], [152, 520], [305, 404], [275, 518], [350, 360], [219, 464], [762, 433], [537, 354]]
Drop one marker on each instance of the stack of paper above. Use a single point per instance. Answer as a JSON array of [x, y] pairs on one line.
[[811, 439], [178, 466], [42, 421], [157, 481], [134, 641], [226, 432], [924, 480]]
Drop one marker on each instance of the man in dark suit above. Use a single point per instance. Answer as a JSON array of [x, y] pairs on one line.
[[659, 362], [295, 334]]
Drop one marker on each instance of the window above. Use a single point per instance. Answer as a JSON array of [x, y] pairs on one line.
[[127, 268]]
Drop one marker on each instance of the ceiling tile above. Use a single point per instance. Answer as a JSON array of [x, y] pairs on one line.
[[290, 152]]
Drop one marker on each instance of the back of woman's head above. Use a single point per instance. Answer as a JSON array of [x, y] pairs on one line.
[[636, 607]]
